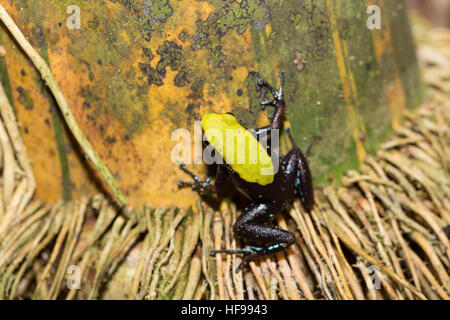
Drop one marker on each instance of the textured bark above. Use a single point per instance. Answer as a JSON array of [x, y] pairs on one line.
[[137, 70]]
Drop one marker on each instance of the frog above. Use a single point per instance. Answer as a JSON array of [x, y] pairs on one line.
[[268, 196]]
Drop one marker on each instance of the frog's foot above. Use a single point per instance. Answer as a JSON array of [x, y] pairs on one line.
[[291, 138], [249, 253], [203, 187], [277, 94], [310, 145], [252, 252]]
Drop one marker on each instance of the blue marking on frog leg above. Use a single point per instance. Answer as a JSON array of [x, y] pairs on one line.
[[268, 249], [255, 248], [298, 179], [297, 184], [264, 104], [276, 246]]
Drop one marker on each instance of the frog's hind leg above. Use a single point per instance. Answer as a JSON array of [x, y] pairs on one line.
[[254, 226], [297, 173]]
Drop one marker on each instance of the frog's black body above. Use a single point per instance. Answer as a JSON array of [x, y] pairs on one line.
[[293, 177], [293, 166]]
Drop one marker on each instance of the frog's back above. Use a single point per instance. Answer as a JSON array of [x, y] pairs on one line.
[[241, 151]]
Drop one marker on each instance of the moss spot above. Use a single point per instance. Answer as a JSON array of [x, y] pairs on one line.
[[25, 99], [193, 112], [197, 88], [146, 29], [111, 140], [151, 73], [171, 56], [240, 15], [149, 15], [148, 53], [93, 24], [231, 15], [183, 36], [295, 17], [181, 79], [157, 10]]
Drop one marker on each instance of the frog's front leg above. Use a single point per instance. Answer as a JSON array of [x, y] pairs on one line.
[[264, 134], [254, 226], [278, 102], [204, 187]]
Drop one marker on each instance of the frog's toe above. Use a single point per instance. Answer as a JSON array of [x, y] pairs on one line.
[[264, 104], [185, 184]]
